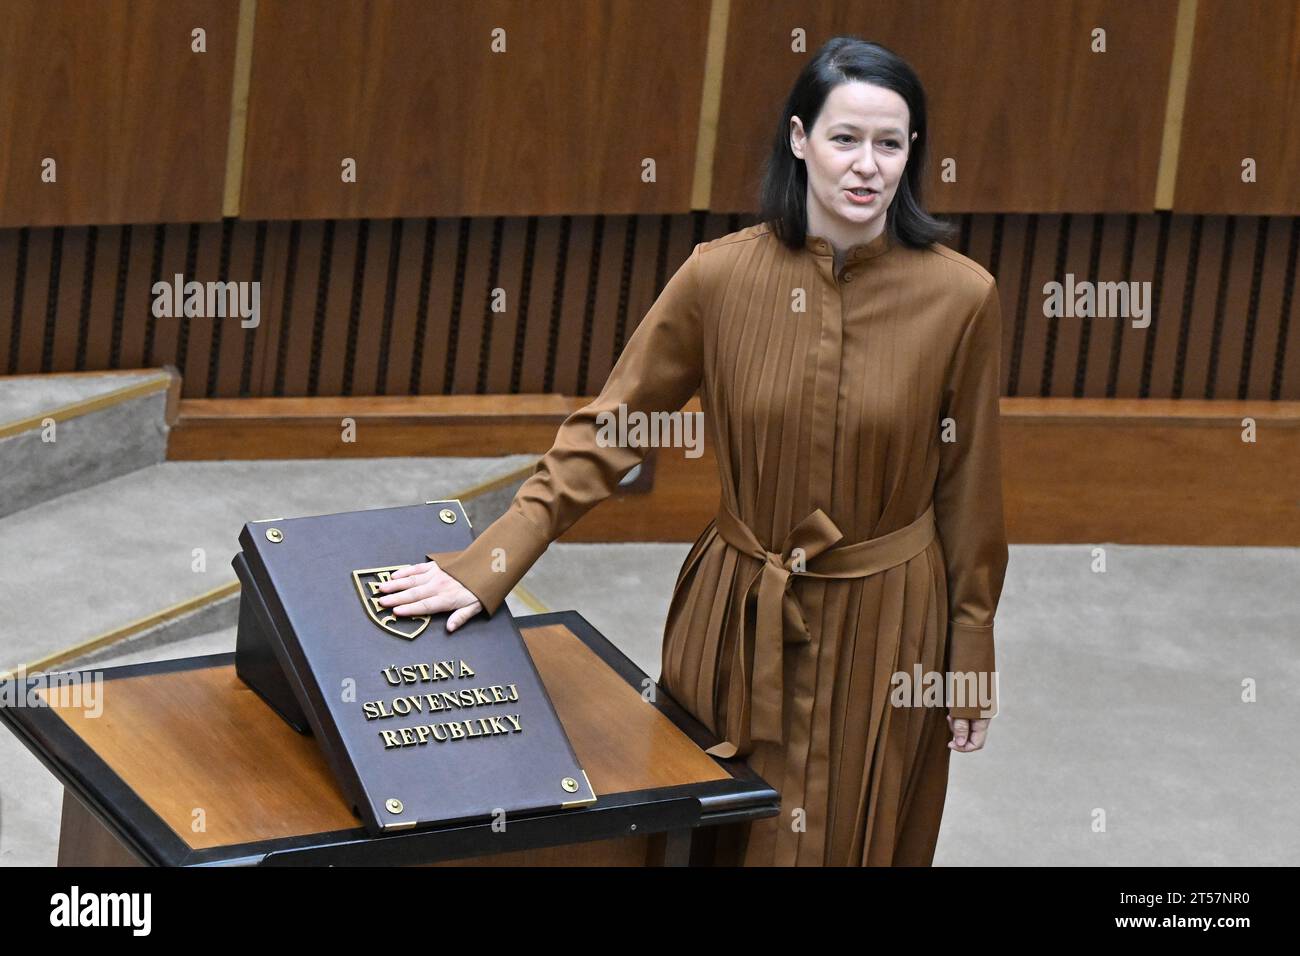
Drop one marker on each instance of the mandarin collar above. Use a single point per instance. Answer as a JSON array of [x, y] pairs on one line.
[[864, 250]]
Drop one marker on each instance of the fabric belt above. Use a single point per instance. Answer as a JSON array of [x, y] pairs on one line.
[[812, 550]]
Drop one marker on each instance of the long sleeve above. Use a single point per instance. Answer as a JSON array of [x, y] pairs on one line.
[[660, 368], [968, 501]]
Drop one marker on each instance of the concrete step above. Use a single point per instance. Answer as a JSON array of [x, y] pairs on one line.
[[64, 432]]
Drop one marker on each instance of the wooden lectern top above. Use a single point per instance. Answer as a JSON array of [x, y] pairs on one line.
[[187, 765]]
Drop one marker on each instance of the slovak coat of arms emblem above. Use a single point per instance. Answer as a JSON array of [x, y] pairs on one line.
[[368, 581]]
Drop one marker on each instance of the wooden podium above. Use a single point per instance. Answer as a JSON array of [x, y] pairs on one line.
[[186, 766]]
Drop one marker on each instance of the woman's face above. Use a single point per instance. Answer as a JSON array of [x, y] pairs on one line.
[[860, 139]]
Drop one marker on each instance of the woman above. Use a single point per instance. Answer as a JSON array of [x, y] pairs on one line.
[[848, 368]]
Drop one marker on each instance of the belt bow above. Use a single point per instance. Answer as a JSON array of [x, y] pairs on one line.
[[812, 549]]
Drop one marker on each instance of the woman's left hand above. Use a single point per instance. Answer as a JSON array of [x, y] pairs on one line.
[[967, 735]]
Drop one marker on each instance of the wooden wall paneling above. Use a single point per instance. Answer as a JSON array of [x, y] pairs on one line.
[[1016, 248], [234, 342], [334, 306], [1050, 112], [1263, 321], [367, 309], [395, 370], [294, 313], [474, 335], [1128, 353], [1243, 95], [1088, 235], [1222, 307], [1275, 292], [297, 322], [1099, 336], [136, 121], [131, 316], [195, 334], [1196, 325], [471, 304], [1227, 336], [98, 346], [12, 275], [1070, 250], [63, 323], [618, 234], [544, 290], [505, 327], [1286, 382], [162, 334], [1042, 269], [217, 252], [530, 135], [435, 325], [564, 355], [1182, 261], [265, 340], [36, 295], [1007, 248]]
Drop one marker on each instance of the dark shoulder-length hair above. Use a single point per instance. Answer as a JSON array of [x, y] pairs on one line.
[[783, 195]]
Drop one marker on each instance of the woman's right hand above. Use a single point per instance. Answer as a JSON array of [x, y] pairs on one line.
[[427, 589]]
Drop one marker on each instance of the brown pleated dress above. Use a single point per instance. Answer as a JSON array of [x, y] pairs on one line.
[[860, 532]]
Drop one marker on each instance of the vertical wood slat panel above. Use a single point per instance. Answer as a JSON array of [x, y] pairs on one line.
[[65, 325], [275, 293], [294, 342], [473, 299], [505, 271], [443, 298], [103, 293], [329, 341], [1062, 360], [233, 336], [510, 327], [1016, 246], [1286, 382], [1197, 324], [201, 330], [602, 319], [592, 280], [165, 343], [12, 275], [36, 291], [1224, 375], [563, 356], [397, 370], [1272, 295], [1104, 334], [136, 298], [1043, 269], [543, 289], [366, 313], [1136, 343], [1183, 259]]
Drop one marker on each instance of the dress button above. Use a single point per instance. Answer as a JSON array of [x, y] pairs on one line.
[[848, 277]]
